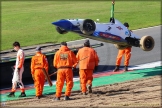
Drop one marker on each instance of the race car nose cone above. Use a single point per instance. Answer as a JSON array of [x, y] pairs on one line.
[[64, 24]]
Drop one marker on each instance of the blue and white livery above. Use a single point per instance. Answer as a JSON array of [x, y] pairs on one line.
[[112, 32]]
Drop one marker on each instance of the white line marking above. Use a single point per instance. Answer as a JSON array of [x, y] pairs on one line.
[[76, 40], [147, 65], [146, 28]]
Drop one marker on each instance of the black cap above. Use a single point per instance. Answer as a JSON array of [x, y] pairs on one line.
[[64, 43], [86, 43], [126, 24], [38, 48]]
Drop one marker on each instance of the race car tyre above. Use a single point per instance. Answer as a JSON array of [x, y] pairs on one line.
[[121, 46], [88, 27], [61, 31], [147, 43]]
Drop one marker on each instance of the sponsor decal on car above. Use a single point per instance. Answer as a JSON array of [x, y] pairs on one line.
[[106, 35], [126, 32], [78, 24], [119, 28], [96, 33], [108, 29]]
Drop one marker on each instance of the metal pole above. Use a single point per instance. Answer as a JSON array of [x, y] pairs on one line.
[[112, 9], [112, 12], [78, 61]]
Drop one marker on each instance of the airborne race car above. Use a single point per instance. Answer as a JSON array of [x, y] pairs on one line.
[[115, 33]]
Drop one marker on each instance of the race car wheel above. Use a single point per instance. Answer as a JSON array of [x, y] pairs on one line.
[[61, 31], [121, 46], [147, 43], [88, 27]]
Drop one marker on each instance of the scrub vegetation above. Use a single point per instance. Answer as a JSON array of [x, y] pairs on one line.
[[29, 22]]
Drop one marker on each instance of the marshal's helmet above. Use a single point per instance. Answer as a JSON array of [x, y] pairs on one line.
[[126, 24]]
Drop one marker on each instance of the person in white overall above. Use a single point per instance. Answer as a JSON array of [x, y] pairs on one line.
[[18, 71]]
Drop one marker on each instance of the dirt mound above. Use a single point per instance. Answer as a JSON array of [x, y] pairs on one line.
[[137, 93]]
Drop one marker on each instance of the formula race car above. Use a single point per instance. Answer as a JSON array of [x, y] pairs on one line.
[[112, 32]]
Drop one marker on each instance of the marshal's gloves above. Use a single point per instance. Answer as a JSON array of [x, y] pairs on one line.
[[13, 68], [55, 69], [18, 69]]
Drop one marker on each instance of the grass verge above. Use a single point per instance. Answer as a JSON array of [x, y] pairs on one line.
[[29, 22]]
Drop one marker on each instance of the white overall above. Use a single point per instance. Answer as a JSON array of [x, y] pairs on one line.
[[17, 76]]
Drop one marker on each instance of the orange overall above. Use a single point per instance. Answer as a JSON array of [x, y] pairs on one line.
[[88, 59], [64, 60], [127, 52], [38, 62]]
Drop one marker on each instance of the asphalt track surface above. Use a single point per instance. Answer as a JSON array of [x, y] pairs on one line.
[[107, 53]]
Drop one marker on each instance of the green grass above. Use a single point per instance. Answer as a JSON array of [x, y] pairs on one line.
[[29, 22]]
